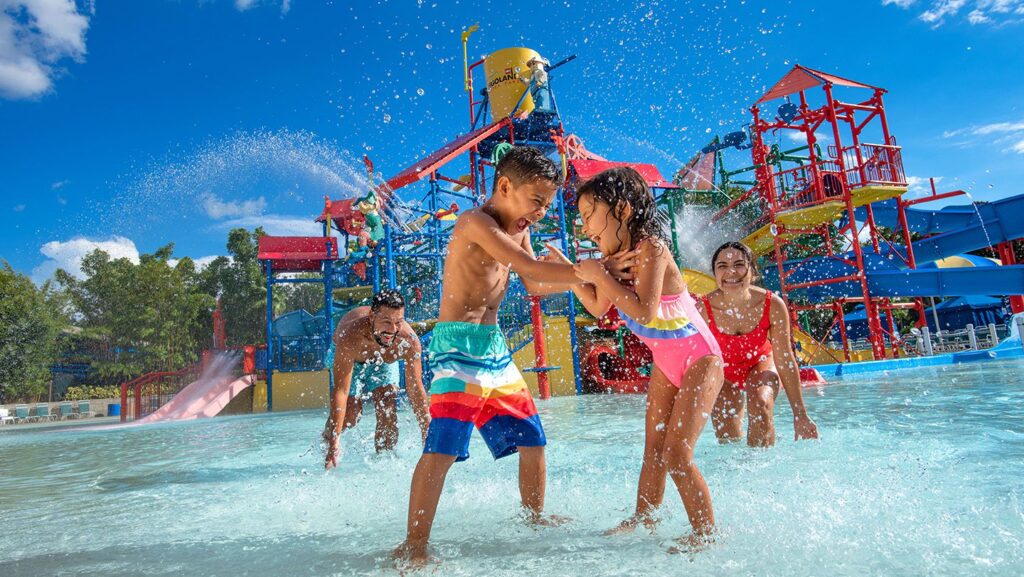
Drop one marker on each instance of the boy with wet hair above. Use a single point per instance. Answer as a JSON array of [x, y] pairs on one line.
[[475, 381]]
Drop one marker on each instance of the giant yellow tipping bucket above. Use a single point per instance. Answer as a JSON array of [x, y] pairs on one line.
[[503, 70]]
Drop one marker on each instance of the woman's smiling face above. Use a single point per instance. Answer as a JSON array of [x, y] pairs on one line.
[[733, 272]]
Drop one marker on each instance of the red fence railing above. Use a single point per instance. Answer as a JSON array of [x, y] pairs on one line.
[[145, 394], [805, 186], [878, 164]]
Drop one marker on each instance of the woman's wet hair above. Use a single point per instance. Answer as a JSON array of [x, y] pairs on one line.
[[748, 255], [624, 185]]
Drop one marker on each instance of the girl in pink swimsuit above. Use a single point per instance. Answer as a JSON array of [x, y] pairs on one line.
[[619, 212]]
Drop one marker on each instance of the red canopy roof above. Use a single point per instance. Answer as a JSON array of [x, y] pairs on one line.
[[585, 168], [802, 78], [297, 253]]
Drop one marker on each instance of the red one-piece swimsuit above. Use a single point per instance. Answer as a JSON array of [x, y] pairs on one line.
[[741, 353]]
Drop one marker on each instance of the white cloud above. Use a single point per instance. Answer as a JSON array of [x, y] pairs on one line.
[[35, 35], [200, 262], [243, 5], [999, 127], [19, 208], [940, 9], [988, 12], [68, 255], [277, 225], [920, 184], [1009, 135], [800, 137], [59, 184], [218, 209], [978, 17]]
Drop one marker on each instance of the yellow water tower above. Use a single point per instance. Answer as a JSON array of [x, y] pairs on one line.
[[507, 76]]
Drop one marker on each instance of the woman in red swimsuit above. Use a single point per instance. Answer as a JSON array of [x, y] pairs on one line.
[[752, 329]]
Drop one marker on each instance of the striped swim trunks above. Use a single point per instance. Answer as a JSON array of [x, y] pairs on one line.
[[476, 383]]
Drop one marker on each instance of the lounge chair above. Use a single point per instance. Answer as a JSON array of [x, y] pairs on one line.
[[43, 412], [20, 413], [67, 410], [5, 416], [84, 411]]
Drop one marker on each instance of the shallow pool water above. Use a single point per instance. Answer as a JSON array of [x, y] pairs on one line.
[[918, 473]]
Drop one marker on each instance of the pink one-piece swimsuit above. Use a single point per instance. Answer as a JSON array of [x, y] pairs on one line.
[[677, 337]]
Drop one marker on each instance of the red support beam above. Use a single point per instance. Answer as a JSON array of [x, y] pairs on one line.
[[540, 348]]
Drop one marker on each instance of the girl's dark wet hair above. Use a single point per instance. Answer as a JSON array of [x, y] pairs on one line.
[[748, 255], [625, 184]]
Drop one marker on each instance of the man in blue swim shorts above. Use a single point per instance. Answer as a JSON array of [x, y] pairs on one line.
[[363, 357]]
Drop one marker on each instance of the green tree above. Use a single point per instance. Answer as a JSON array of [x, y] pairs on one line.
[[239, 283], [148, 316], [306, 296], [31, 320]]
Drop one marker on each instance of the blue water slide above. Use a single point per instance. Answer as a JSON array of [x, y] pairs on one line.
[[955, 229], [886, 279]]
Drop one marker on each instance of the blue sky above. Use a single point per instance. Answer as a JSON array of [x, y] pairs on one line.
[[128, 124]]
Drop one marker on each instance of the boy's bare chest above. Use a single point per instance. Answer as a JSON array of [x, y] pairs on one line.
[[481, 268]]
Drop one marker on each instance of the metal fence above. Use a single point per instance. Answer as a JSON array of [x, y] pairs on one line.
[[925, 342]]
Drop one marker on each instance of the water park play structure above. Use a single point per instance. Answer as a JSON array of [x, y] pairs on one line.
[[830, 219]]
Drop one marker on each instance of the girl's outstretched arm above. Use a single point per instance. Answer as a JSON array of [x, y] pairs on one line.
[[642, 305]]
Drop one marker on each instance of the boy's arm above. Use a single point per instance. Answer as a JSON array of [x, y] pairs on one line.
[[484, 231], [595, 304], [534, 288], [413, 357]]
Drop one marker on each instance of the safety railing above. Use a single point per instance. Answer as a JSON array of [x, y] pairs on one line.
[[877, 164], [300, 353], [803, 187], [945, 341], [514, 316], [147, 393]]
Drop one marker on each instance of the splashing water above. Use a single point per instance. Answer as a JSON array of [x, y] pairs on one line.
[[917, 473], [696, 241], [981, 220], [239, 177]]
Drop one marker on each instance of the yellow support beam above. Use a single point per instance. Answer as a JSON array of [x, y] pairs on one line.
[[812, 215], [761, 241], [875, 193]]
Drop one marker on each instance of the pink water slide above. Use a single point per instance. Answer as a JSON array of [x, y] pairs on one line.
[[205, 397]]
